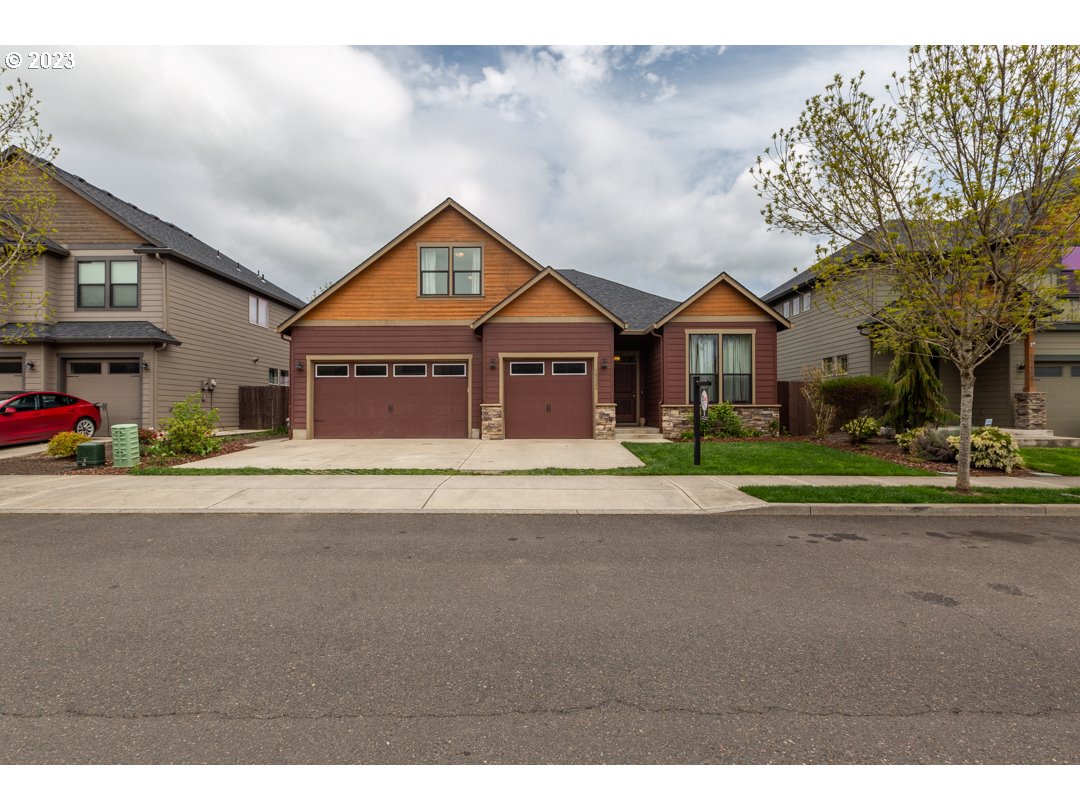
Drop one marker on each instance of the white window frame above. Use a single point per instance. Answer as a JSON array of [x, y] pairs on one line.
[[414, 376], [462, 366], [258, 311], [584, 368], [319, 366], [806, 302], [541, 363], [385, 370]]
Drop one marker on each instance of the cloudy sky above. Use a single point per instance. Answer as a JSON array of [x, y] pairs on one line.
[[626, 162]]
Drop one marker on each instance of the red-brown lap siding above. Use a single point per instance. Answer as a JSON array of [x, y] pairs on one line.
[[430, 341], [542, 339], [674, 353]]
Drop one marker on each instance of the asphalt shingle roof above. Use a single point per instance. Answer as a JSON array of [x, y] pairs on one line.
[[93, 331], [639, 309], [171, 238]]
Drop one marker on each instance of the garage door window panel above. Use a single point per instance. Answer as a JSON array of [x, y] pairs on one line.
[[124, 367], [331, 370], [526, 369], [410, 370], [370, 370], [10, 366], [80, 367], [448, 370], [575, 368]]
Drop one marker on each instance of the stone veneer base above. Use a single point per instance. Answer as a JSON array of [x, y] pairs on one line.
[[677, 419], [491, 422], [604, 421], [1029, 410]]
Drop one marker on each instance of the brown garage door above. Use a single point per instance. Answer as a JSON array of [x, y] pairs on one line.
[[548, 399], [388, 400], [116, 381]]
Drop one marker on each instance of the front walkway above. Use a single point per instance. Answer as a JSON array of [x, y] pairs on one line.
[[476, 494], [428, 454]]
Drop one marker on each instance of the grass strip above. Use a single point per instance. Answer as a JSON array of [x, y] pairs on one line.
[[761, 458], [1059, 460], [871, 493]]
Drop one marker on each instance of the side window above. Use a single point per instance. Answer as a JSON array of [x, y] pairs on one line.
[[51, 401], [27, 403]]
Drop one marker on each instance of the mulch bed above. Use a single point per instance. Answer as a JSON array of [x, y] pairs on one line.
[[41, 464]]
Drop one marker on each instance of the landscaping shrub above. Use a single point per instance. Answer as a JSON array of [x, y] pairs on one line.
[[860, 395], [723, 421], [928, 444], [824, 414], [918, 398], [64, 444], [861, 428], [992, 448], [189, 431]]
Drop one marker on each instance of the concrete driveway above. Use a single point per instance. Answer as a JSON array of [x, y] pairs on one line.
[[429, 454]]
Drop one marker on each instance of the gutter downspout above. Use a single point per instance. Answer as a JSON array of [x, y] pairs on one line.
[[164, 327], [663, 379]]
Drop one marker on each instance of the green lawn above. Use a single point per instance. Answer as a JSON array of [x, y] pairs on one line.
[[871, 493], [761, 458], [717, 458], [1060, 460]]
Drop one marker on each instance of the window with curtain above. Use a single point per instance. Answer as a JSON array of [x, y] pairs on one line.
[[466, 271], [738, 369], [703, 363], [434, 271]]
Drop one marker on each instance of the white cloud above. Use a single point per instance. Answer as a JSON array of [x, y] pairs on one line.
[[627, 163]]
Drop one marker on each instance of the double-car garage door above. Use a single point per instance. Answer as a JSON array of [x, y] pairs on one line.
[[391, 400]]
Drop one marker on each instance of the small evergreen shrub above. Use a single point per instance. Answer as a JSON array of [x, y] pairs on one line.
[[723, 421], [918, 397], [992, 448], [860, 395], [906, 438], [64, 444], [189, 431], [861, 428]]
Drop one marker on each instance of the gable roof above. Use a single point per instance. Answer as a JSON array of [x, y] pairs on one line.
[[725, 278], [639, 309], [448, 203], [549, 272], [168, 239]]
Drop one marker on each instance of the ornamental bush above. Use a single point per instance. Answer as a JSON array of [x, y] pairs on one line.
[[64, 444], [189, 431], [860, 395], [992, 448], [723, 421], [861, 428]]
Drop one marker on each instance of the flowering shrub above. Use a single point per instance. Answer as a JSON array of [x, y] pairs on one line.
[[861, 428], [189, 431], [992, 448], [64, 444]]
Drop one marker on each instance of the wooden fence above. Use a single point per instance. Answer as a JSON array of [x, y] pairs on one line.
[[264, 407], [795, 414]]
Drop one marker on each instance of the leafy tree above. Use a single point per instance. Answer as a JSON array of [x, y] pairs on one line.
[[26, 203], [918, 398], [943, 208]]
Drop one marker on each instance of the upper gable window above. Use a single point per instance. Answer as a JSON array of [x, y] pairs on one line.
[[451, 270], [107, 284]]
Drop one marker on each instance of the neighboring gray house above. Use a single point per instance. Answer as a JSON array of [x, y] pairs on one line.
[[821, 336], [141, 314]]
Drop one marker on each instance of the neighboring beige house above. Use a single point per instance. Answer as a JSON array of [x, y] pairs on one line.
[[141, 314], [821, 336]]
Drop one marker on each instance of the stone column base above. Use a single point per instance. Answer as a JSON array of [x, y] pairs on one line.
[[1029, 410], [491, 422], [604, 421]]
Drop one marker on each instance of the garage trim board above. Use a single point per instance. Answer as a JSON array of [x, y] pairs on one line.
[[368, 360]]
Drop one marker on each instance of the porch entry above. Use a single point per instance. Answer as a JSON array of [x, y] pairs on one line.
[[626, 388]]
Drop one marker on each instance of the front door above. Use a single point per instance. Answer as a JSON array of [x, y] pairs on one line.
[[626, 391]]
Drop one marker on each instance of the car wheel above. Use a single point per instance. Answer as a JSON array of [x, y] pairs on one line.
[[85, 426]]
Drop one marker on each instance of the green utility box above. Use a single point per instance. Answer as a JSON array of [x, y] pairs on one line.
[[90, 454], [125, 445]]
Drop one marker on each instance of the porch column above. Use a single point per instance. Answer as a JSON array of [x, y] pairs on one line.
[[1029, 406]]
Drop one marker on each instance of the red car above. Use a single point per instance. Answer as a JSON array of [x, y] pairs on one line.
[[37, 416]]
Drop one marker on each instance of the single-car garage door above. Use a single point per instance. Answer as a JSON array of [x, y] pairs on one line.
[[548, 399], [116, 381], [391, 400], [1061, 383], [11, 374]]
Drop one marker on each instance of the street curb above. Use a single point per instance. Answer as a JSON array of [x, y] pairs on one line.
[[925, 509]]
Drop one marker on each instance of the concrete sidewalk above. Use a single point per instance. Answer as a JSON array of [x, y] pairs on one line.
[[87, 494]]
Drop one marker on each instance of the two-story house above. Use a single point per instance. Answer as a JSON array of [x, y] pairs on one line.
[[140, 313], [831, 339], [450, 330]]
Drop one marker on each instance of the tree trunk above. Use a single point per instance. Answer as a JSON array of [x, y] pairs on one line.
[[963, 456]]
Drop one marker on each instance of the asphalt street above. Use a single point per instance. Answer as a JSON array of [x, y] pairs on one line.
[[538, 638]]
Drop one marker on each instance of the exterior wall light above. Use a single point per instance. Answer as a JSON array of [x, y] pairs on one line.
[[30, 364], [491, 364], [299, 365], [603, 363]]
